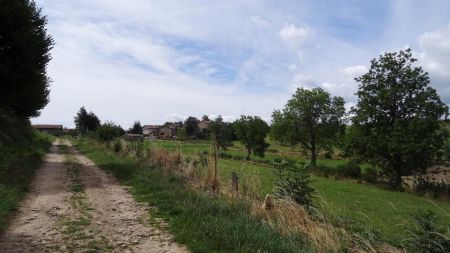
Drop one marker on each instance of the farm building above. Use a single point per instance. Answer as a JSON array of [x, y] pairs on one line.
[[149, 130], [50, 129], [203, 124], [166, 132], [159, 131]]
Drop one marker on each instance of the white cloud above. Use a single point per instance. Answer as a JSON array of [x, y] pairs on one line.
[[355, 71], [294, 36], [259, 21], [436, 55]]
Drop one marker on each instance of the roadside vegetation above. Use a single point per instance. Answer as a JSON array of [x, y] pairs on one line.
[[21, 149], [203, 221]]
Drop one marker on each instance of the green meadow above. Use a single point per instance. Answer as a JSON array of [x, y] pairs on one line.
[[369, 210]]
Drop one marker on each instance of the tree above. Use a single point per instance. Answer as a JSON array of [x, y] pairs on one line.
[[108, 131], [205, 118], [220, 137], [191, 125], [136, 129], [86, 122], [24, 54], [313, 120], [397, 116], [252, 132], [282, 130]]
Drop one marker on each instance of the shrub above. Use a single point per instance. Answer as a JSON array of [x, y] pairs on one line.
[[294, 182], [426, 235], [323, 171], [108, 131], [370, 175], [225, 155], [328, 155], [349, 170]]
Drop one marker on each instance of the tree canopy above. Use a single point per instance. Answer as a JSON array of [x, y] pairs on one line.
[[191, 126], [24, 54], [311, 118], [252, 132], [86, 122], [397, 117], [136, 128]]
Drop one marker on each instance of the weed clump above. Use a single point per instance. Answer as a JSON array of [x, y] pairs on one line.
[[426, 235], [294, 181]]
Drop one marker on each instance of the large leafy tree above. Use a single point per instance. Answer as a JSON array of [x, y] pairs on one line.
[[397, 117], [252, 132], [191, 126], [312, 118], [24, 54], [86, 122]]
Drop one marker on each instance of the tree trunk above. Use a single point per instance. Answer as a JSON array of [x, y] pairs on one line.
[[313, 154], [249, 152], [313, 158]]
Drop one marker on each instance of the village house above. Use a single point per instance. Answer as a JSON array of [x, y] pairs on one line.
[[150, 130], [50, 129], [203, 124], [157, 131]]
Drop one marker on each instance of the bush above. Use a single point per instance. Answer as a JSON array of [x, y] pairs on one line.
[[370, 175], [109, 131], [328, 155], [427, 236], [349, 170], [323, 171], [294, 182], [225, 155]]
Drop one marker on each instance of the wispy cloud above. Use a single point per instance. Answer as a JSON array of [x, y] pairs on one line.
[[165, 60]]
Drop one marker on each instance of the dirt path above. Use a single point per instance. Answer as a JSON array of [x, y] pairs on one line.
[[74, 206]]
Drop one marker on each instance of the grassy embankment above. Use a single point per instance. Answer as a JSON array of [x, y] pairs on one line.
[[21, 149], [202, 222], [368, 210]]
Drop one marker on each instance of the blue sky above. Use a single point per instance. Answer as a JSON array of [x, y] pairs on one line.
[[158, 61]]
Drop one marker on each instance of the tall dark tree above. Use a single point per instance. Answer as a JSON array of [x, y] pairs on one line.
[[86, 122], [136, 129], [252, 132], [397, 116], [191, 126], [24, 54], [313, 118]]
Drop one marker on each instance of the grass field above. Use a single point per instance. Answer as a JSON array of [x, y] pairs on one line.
[[362, 208], [195, 147]]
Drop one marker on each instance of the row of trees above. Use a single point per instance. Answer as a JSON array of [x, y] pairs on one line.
[[396, 123]]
